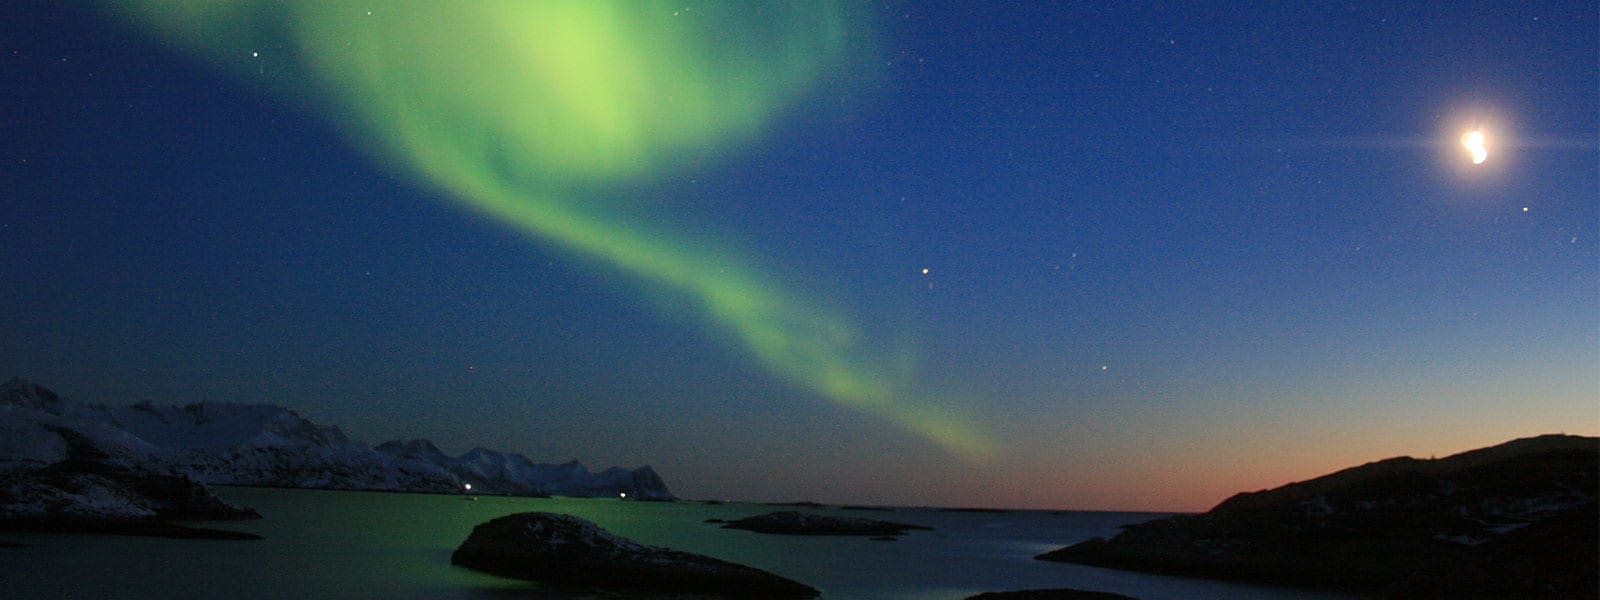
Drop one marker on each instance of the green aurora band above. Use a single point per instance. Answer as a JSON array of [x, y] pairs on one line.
[[520, 109]]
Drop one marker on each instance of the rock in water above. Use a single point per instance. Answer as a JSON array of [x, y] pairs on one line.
[[1055, 594], [566, 550], [795, 523]]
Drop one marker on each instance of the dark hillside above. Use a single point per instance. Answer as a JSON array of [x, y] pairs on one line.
[[1514, 519]]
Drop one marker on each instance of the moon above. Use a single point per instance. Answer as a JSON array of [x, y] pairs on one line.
[[1474, 142]]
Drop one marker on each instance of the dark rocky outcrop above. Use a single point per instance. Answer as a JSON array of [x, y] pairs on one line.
[[1056, 594], [994, 511], [1515, 520], [797, 523], [566, 550], [82, 496]]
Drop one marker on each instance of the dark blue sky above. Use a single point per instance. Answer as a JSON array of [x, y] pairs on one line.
[[1173, 251]]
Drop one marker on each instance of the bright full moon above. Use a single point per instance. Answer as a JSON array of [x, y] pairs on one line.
[[1473, 141]]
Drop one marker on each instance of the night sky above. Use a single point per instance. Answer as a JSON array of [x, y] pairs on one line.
[[1118, 256]]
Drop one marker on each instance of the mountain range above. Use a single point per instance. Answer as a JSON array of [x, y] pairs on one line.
[[267, 445]]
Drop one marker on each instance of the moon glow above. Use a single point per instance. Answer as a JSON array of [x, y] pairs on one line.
[[1473, 141]]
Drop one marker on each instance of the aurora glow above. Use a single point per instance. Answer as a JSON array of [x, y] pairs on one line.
[[522, 111]]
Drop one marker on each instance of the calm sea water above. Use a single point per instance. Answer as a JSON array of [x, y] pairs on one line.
[[323, 544]]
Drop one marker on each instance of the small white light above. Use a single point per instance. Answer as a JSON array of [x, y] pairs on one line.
[[624, 495], [469, 487]]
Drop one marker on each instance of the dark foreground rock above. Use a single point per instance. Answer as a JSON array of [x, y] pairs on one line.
[[566, 550], [1515, 520], [1058, 594], [796, 523], [81, 496]]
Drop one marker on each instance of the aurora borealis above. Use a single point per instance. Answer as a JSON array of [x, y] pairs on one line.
[[1039, 257], [516, 108]]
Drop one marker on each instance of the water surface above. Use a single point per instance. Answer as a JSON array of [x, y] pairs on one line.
[[325, 544]]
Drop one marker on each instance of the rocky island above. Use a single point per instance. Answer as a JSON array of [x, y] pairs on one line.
[[1052, 594], [1515, 520], [797, 523], [569, 551]]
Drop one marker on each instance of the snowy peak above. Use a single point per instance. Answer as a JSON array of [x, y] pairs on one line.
[[218, 425], [26, 394], [206, 425], [417, 449], [494, 472]]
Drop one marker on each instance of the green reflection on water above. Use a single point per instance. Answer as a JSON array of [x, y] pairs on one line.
[[329, 544]]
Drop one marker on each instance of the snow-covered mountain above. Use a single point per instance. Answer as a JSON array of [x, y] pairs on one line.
[[261, 444], [502, 473]]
